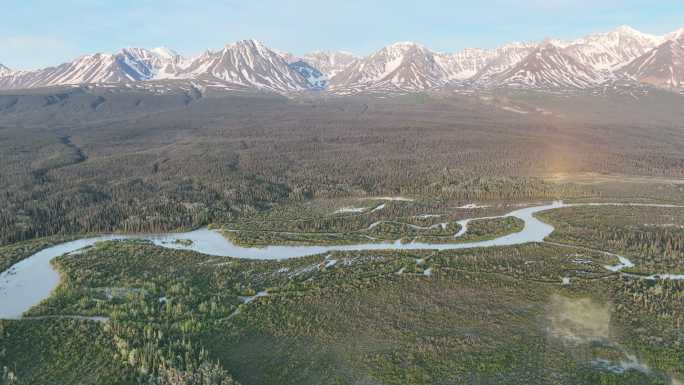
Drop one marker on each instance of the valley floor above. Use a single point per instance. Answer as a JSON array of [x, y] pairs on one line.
[[542, 312], [334, 171]]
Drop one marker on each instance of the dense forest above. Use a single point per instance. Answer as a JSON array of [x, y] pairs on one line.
[[652, 237], [266, 169], [101, 160], [489, 316]]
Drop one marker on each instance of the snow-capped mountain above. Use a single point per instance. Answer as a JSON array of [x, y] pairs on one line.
[[329, 63], [548, 67], [158, 63], [464, 64], [502, 59], [4, 71], [165, 53], [165, 62], [404, 66], [674, 35], [319, 66], [608, 51], [287, 56], [247, 63], [131, 64], [316, 79], [663, 66]]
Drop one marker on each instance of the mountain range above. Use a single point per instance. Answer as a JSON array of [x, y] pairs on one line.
[[591, 61]]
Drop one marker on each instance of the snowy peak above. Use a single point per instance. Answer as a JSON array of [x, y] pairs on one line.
[[663, 66], [158, 63], [316, 79], [4, 71], [247, 63], [403, 66], [502, 59], [165, 53], [548, 67], [318, 67], [250, 46], [287, 56], [404, 46], [328, 62], [97, 68], [140, 63], [607, 51], [127, 65], [466, 63], [627, 32], [675, 35]]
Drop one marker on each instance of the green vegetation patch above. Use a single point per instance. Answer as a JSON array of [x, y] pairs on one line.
[[482, 230], [651, 237], [429, 221], [60, 352], [412, 317]]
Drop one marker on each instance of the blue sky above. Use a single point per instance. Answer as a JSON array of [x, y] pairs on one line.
[[37, 33]]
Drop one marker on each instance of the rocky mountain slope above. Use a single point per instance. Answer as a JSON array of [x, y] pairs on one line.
[[501, 59], [548, 67], [608, 51], [328, 62], [316, 79], [131, 64], [406, 67], [247, 63], [4, 71], [663, 66]]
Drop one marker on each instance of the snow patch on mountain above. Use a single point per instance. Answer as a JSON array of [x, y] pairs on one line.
[[663, 66], [316, 79], [548, 67], [404, 66], [248, 63], [165, 53], [674, 35], [502, 59], [329, 63], [623, 53], [464, 64], [129, 64], [608, 51], [4, 71]]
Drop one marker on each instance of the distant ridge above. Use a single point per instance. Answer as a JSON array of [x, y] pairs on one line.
[[663, 66], [591, 61]]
